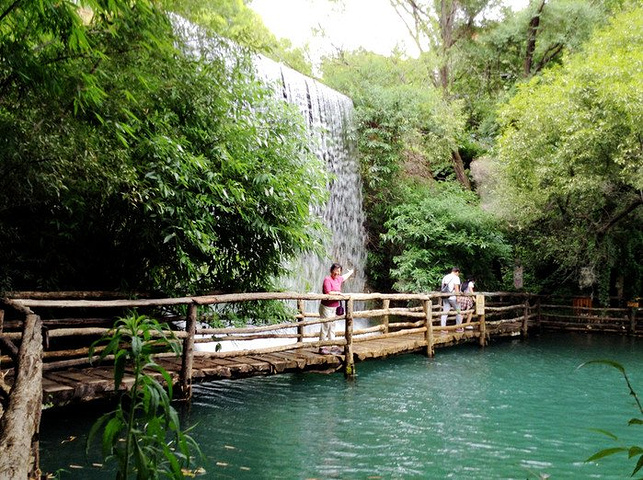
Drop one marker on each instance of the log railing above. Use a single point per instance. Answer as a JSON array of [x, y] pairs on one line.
[[67, 340], [625, 320]]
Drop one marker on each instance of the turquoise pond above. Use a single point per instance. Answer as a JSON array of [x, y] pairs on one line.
[[513, 410]]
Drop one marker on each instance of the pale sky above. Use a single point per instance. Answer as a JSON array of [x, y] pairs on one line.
[[372, 24], [348, 24]]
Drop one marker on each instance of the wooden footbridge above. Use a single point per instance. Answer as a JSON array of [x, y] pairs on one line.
[[388, 324], [392, 324]]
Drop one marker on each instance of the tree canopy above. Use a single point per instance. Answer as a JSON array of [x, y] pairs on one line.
[[126, 162], [573, 163]]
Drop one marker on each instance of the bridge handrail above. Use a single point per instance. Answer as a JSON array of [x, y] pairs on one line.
[[237, 297], [420, 314]]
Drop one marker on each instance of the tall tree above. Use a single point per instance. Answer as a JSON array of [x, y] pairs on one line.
[[479, 50], [556, 27], [438, 27], [573, 164], [128, 163]]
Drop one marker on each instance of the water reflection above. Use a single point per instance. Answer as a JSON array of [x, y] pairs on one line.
[[514, 410]]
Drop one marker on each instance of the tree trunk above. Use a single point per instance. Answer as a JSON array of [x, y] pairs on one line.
[[448, 11], [460, 174], [19, 425], [532, 34]]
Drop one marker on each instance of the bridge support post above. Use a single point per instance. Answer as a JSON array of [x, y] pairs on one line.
[[300, 329], [428, 323], [349, 361], [481, 318], [185, 377], [386, 303], [525, 320], [633, 308], [20, 423]]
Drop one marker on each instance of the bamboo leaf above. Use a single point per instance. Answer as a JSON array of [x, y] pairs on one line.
[[604, 432], [638, 466], [608, 362], [606, 452]]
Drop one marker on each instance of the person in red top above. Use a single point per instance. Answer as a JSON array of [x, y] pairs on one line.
[[327, 308]]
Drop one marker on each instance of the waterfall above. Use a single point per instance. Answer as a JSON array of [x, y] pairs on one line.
[[330, 121]]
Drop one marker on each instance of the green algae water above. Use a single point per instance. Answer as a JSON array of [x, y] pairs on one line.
[[514, 410]]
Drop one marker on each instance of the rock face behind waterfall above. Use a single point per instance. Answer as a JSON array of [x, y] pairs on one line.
[[329, 116]]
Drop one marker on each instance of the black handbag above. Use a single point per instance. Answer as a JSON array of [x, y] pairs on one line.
[[339, 311]]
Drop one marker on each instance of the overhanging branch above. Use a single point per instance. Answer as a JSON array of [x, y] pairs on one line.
[[614, 220]]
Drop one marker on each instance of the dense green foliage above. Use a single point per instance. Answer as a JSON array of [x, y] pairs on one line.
[[439, 227], [126, 163], [573, 164], [143, 434], [487, 64], [569, 143], [407, 133]]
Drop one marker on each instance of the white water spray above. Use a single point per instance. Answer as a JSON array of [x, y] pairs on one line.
[[330, 122]]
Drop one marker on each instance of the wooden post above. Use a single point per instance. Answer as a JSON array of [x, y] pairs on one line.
[[386, 303], [525, 319], [480, 313], [428, 321], [349, 362], [300, 329], [633, 319], [19, 425], [185, 377]]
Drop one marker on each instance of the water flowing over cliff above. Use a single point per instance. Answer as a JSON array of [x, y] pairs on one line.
[[330, 121], [330, 124]]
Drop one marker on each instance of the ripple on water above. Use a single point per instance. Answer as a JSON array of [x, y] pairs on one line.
[[512, 410]]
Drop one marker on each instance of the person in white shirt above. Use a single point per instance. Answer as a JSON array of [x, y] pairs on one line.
[[451, 284]]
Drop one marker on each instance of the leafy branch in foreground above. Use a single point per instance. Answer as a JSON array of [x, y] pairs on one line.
[[143, 434], [633, 451]]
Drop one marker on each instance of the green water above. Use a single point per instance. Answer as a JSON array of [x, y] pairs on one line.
[[514, 410]]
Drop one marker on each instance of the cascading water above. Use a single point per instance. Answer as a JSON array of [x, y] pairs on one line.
[[330, 121]]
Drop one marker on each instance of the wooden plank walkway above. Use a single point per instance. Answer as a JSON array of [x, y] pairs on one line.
[[76, 385]]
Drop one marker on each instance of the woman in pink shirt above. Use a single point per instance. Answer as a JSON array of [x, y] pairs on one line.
[[327, 308]]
